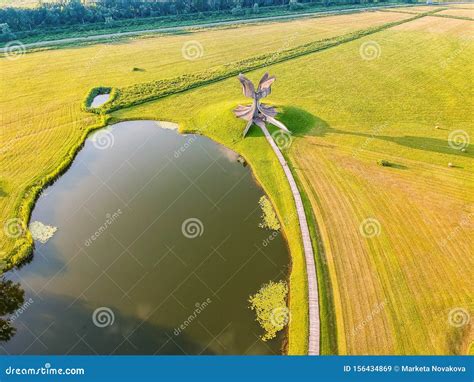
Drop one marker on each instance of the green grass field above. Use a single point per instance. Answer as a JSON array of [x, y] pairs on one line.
[[395, 95]]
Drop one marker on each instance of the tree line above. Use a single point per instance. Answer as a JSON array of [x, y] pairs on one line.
[[76, 12]]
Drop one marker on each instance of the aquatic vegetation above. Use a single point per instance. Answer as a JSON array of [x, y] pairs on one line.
[[167, 125], [42, 232], [269, 217], [270, 305]]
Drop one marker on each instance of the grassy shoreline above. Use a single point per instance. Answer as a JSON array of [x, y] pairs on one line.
[[23, 251]]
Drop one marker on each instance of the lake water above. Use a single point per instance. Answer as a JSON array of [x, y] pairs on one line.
[[100, 100], [123, 275]]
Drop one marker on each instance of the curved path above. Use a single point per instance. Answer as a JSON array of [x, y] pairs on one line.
[[313, 297]]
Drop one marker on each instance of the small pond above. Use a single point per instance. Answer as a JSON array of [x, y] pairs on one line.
[[157, 250], [99, 100]]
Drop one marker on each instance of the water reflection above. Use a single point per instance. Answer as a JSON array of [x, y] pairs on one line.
[[12, 298], [100, 100]]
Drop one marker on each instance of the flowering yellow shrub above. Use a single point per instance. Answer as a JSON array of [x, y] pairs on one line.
[[269, 217]]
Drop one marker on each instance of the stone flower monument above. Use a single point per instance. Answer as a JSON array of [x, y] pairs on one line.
[[258, 113]]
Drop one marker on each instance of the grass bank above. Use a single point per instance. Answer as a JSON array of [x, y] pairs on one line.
[[24, 244]]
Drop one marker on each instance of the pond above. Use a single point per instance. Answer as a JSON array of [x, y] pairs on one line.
[[157, 249], [99, 100]]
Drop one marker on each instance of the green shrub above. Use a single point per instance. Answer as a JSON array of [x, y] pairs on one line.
[[384, 163]]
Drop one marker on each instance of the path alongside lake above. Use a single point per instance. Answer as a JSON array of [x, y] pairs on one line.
[[313, 296]]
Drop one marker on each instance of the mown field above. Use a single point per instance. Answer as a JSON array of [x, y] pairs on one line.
[[460, 12], [408, 277], [416, 9], [469, 5], [335, 101]]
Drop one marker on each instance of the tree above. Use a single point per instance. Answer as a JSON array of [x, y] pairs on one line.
[[11, 298]]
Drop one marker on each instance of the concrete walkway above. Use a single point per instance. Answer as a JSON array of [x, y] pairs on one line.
[[313, 298]]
